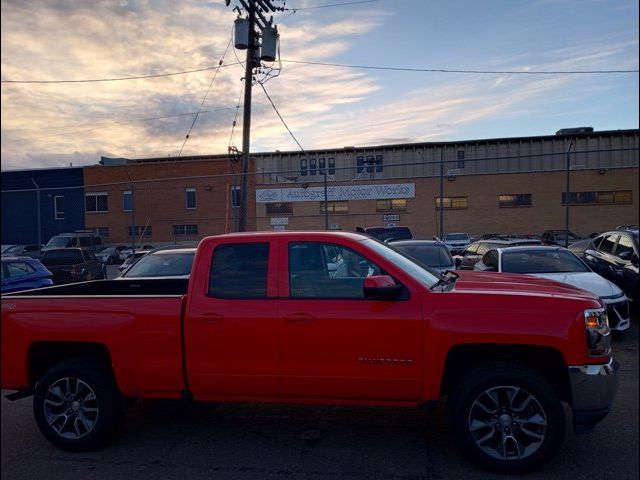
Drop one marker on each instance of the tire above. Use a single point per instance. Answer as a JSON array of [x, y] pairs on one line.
[[505, 404], [92, 405]]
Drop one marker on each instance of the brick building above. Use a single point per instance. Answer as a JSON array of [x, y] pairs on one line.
[[164, 200], [510, 185]]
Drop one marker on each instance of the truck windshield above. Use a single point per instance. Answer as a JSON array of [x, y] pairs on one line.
[[416, 271], [60, 242]]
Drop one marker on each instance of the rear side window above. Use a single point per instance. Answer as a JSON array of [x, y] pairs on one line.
[[19, 269], [239, 270]]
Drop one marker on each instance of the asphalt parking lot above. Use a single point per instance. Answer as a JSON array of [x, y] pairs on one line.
[[164, 439]]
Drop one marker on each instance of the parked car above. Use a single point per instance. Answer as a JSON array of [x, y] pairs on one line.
[[79, 238], [557, 237], [108, 255], [132, 259], [31, 250], [559, 264], [474, 252], [265, 321], [457, 242], [614, 255], [431, 253], [166, 263], [24, 273], [73, 265], [387, 233]]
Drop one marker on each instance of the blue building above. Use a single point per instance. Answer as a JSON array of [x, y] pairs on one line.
[[61, 198]]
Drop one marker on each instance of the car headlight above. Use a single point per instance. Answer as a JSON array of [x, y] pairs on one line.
[[598, 332]]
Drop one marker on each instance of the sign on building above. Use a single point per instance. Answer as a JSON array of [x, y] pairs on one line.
[[279, 221], [337, 193], [391, 217]]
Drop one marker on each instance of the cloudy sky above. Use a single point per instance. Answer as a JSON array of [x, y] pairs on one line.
[[325, 106]]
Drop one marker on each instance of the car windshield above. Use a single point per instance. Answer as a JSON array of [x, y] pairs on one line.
[[62, 257], [541, 261], [414, 269], [457, 236], [59, 242], [162, 265], [428, 254]]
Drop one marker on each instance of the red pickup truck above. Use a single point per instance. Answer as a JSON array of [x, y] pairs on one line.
[[317, 317]]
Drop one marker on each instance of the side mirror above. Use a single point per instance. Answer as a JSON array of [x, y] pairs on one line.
[[381, 287]]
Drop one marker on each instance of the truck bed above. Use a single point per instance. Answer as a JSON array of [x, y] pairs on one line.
[[119, 288]]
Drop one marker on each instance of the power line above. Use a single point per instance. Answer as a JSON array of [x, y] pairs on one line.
[[333, 5], [281, 119], [204, 98], [442, 70], [111, 122], [118, 79], [235, 118]]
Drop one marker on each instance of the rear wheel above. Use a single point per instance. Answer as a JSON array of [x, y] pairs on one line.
[[76, 404], [506, 417]]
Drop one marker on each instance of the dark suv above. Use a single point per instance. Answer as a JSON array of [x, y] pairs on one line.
[[614, 255], [70, 265], [474, 252]]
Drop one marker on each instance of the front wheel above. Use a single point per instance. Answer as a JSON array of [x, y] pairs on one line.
[[76, 404], [506, 417]]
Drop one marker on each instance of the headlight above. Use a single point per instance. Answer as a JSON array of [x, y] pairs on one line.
[[598, 332]]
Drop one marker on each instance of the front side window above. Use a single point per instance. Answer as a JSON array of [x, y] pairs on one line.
[[624, 250], [96, 202], [191, 200], [608, 243], [239, 271], [19, 269], [325, 270]]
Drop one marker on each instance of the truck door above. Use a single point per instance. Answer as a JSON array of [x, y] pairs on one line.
[[231, 326], [337, 344]]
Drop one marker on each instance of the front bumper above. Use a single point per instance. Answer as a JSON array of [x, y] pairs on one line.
[[593, 388]]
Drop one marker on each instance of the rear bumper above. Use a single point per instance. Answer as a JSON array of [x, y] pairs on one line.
[[593, 388]]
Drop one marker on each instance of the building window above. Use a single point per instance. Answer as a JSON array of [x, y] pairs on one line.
[[332, 166], [334, 207], [452, 203], [185, 229], [58, 207], [312, 166], [102, 231], [321, 165], [139, 231], [96, 202], [617, 197], [460, 158], [360, 163], [279, 208], [235, 197], [513, 200], [379, 166], [190, 198], [303, 167], [127, 201], [370, 161], [392, 205]]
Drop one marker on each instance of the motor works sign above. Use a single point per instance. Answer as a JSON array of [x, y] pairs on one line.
[[337, 193]]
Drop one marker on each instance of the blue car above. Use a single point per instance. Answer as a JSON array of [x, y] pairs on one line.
[[24, 273]]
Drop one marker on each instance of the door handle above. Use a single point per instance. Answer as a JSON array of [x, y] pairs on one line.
[[299, 317], [211, 317]]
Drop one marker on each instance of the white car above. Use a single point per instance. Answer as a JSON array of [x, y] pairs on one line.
[[456, 242], [562, 265]]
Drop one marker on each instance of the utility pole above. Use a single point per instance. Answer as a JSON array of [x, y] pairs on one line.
[[567, 195], [441, 211], [39, 219], [133, 216], [246, 37]]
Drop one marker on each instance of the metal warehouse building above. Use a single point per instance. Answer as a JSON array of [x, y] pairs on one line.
[[51, 198]]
